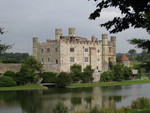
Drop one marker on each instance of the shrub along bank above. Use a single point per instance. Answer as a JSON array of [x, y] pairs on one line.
[[140, 105]]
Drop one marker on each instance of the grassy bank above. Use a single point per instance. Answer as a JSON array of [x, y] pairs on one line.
[[128, 111], [109, 83], [24, 87]]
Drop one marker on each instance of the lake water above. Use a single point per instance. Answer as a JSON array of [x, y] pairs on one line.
[[77, 99]]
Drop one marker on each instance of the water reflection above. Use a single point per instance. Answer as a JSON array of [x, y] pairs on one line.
[[78, 99]]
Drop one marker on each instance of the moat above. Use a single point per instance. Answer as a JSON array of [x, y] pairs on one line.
[[77, 99]]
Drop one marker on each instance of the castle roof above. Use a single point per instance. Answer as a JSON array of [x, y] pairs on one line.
[[124, 58]]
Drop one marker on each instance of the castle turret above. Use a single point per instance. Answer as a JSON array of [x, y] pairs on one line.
[[35, 47], [113, 40], [58, 33], [72, 32], [104, 52]]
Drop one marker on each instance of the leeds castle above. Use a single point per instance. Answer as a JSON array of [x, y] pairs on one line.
[[59, 54]]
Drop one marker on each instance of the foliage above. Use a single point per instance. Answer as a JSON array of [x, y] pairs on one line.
[[141, 43], [49, 77], [6, 81], [111, 65], [63, 79], [95, 110], [30, 70], [132, 52], [107, 76], [13, 57], [141, 103], [76, 72], [3, 47], [61, 108], [118, 72], [87, 75], [9, 73], [127, 73], [135, 13]]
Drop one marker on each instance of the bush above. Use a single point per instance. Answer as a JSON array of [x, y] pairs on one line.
[[141, 103], [6, 81], [118, 72], [127, 73], [49, 77], [107, 76], [95, 110], [87, 75], [63, 79], [60, 108], [9, 73], [76, 72]]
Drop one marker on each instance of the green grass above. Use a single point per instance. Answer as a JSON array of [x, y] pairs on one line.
[[109, 83], [24, 87], [139, 111]]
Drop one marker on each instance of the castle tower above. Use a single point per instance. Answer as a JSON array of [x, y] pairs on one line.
[[58, 33], [113, 40], [72, 32], [35, 47], [104, 52]]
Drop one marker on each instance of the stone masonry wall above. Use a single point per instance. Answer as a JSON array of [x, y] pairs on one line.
[[11, 67]]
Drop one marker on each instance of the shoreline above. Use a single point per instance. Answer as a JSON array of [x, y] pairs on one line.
[[78, 85], [24, 87], [114, 83]]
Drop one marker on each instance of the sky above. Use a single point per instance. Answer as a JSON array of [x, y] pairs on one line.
[[24, 19]]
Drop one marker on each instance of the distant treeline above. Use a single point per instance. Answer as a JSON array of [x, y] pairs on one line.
[[13, 57]]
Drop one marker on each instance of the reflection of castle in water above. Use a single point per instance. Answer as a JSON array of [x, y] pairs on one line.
[[77, 99], [84, 100]]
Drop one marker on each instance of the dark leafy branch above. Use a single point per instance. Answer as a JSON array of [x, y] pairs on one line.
[[136, 14]]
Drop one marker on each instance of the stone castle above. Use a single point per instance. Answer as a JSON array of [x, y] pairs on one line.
[[59, 54]]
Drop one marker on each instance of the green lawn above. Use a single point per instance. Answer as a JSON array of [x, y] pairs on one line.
[[109, 83], [139, 111], [24, 87]]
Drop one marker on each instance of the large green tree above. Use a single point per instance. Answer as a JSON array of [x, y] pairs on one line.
[[135, 13], [3, 47], [31, 69]]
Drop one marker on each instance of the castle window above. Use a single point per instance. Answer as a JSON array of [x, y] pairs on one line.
[[71, 49], [42, 60], [56, 49], [56, 61], [41, 50], [110, 49], [98, 60], [48, 59], [71, 59], [97, 67], [86, 50], [48, 50], [98, 51], [86, 59]]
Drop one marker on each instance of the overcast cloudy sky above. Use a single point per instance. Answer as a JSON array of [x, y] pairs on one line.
[[24, 19]]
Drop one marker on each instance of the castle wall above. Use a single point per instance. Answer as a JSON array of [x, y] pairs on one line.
[[9, 67]]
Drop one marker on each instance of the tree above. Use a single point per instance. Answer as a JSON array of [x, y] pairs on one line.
[[118, 72], [31, 69], [49, 77], [87, 75], [132, 52], [63, 79], [3, 47], [76, 72], [135, 13]]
